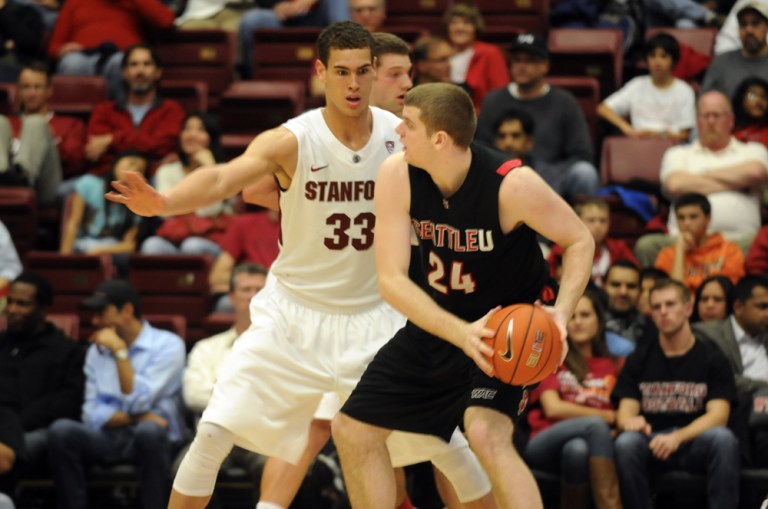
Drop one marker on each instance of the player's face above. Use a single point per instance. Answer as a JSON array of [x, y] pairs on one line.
[[752, 315], [596, 220], [246, 286], [623, 288], [668, 310], [583, 325], [348, 80], [34, 91], [392, 81], [414, 137], [691, 219], [510, 137], [712, 302], [753, 29], [659, 63], [193, 136]]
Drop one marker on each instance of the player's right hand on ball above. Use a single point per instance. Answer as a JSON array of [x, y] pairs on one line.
[[474, 346]]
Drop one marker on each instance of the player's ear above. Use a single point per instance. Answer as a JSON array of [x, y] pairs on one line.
[[320, 69], [440, 139]]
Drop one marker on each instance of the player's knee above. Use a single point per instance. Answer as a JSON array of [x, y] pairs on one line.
[[487, 434], [347, 430], [199, 468], [319, 433]]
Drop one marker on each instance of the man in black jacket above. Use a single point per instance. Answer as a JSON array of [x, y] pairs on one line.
[[21, 38], [41, 376]]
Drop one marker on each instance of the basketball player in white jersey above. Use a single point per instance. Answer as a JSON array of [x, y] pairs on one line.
[[320, 318]]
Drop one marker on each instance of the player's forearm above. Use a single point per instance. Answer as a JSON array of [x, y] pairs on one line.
[[577, 268], [405, 296], [200, 188]]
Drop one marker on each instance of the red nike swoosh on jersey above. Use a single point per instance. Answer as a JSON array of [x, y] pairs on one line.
[[312, 168]]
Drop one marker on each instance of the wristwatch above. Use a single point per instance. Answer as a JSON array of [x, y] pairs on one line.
[[121, 355]]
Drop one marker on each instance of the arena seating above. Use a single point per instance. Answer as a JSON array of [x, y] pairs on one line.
[[19, 213], [191, 94]]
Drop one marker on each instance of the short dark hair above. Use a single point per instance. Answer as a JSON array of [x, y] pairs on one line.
[[43, 288], [389, 44], [39, 67], [623, 263], [343, 35], [663, 284], [245, 268], [142, 45], [591, 201], [469, 12], [746, 285], [526, 120], [445, 107], [666, 42], [652, 273], [422, 46], [727, 287], [694, 199]]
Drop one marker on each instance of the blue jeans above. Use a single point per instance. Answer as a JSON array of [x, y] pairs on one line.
[[190, 246], [714, 453], [78, 63], [565, 448], [330, 11], [679, 13], [73, 446]]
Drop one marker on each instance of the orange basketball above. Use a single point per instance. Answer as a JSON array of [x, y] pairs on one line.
[[526, 344]]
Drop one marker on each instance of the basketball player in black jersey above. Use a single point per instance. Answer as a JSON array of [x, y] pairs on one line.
[[476, 215]]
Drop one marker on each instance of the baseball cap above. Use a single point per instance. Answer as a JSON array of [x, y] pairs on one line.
[[760, 7], [532, 43], [113, 291]]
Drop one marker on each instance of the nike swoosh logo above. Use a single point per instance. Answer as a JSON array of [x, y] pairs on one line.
[[312, 168], [507, 356]]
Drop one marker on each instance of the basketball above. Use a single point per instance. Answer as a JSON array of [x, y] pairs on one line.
[[526, 344]]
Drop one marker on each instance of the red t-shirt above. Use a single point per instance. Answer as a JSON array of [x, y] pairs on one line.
[[252, 237], [594, 391]]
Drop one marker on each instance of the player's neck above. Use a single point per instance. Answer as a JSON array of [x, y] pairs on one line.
[[450, 169], [353, 132]]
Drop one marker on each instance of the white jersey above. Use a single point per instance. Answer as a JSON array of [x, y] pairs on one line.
[[326, 255]]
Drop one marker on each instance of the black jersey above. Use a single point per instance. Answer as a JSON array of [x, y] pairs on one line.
[[468, 264]]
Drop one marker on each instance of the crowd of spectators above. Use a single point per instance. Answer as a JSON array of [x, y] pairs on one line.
[[680, 309]]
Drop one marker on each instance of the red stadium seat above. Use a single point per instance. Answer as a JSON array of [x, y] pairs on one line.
[[250, 107], [69, 323], [18, 212], [422, 13], [624, 159], [533, 15], [191, 94], [206, 55], [588, 52], [284, 54], [701, 40], [77, 95]]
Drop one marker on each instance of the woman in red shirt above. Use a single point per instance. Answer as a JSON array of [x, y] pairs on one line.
[[572, 415]]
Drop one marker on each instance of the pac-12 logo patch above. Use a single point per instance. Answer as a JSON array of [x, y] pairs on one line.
[[390, 146]]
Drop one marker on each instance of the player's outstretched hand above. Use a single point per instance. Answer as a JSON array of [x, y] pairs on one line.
[[474, 346], [135, 193], [559, 318]]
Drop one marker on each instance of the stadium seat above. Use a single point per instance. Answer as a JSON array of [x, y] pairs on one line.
[[206, 55], [588, 52], [18, 212], [532, 15], [7, 99], [409, 34], [173, 284], [701, 40], [191, 94], [250, 107], [284, 54], [625, 159], [77, 95], [422, 13], [174, 323], [586, 90], [218, 322], [69, 323]]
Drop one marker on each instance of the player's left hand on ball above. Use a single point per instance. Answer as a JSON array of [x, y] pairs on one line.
[[474, 346], [560, 319]]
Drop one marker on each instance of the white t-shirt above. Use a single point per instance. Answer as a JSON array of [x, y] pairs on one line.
[[326, 255], [460, 65], [733, 212], [655, 109]]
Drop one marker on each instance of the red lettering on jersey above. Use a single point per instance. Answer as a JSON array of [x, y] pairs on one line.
[[508, 166]]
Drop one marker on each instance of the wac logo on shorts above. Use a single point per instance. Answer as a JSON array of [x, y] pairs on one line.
[[484, 393]]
